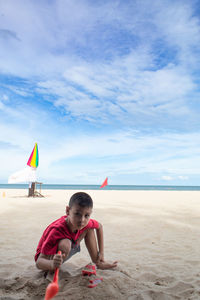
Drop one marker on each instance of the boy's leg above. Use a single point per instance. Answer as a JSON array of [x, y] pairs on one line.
[[68, 247], [65, 246], [91, 244]]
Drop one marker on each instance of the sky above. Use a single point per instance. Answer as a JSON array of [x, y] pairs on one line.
[[106, 88]]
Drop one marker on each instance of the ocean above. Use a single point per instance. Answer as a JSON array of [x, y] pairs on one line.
[[108, 187]]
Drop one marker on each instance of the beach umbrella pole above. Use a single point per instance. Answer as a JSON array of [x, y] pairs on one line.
[[31, 189]]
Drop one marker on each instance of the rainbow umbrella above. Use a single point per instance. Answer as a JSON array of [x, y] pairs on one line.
[[34, 157], [28, 174]]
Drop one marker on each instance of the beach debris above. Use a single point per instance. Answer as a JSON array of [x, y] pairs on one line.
[[95, 282], [89, 270], [104, 183], [53, 287]]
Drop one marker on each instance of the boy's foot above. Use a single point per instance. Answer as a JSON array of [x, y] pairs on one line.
[[89, 269], [103, 265], [49, 275]]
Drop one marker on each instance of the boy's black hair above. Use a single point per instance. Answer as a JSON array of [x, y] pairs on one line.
[[82, 199]]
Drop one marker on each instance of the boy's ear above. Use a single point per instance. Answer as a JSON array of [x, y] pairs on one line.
[[67, 210]]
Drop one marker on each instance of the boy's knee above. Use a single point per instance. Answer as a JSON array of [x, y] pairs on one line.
[[65, 246]]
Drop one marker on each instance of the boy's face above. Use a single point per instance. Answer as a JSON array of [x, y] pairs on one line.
[[78, 216]]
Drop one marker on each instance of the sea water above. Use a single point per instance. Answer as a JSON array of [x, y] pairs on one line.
[[108, 187]]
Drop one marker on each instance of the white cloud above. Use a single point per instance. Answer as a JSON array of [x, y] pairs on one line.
[[121, 90], [114, 81], [67, 155], [183, 177], [167, 178], [5, 97]]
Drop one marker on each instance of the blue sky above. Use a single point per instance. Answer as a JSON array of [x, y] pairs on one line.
[[106, 88]]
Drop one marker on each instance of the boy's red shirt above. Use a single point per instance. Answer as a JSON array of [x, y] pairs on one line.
[[57, 231]]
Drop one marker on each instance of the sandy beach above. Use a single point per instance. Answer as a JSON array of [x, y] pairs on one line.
[[153, 234]]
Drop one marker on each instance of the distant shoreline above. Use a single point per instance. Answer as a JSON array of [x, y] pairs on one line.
[[109, 187]]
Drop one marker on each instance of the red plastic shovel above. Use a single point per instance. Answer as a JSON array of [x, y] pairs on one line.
[[53, 287]]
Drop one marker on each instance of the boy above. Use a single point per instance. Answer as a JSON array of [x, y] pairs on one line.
[[66, 233]]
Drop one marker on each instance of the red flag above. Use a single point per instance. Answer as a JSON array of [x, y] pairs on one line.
[[104, 183]]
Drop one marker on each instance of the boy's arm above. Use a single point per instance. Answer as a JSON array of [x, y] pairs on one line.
[[99, 232], [101, 263], [45, 263]]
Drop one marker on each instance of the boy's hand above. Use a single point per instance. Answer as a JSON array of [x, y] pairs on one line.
[[103, 265], [57, 260]]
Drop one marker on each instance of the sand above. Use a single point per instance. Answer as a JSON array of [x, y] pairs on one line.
[[153, 234]]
